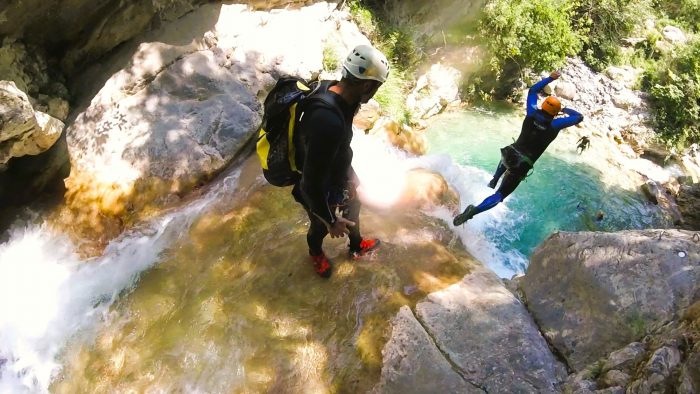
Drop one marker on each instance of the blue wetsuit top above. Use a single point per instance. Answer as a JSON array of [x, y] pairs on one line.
[[539, 128]]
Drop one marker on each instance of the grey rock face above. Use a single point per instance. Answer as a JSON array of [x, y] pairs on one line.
[[626, 358], [22, 130], [565, 90], [592, 293], [658, 195], [16, 112], [487, 336], [180, 125], [413, 364], [688, 201], [674, 35], [434, 91], [657, 371], [615, 378]]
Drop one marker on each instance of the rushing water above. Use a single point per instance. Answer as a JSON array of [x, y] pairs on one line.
[[217, 295]]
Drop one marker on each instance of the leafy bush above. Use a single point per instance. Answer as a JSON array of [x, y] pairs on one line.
[[605, 23], [675, 91], [392, 96], [401, 50], [685, 11], [330, 59], [364, 19], [526, 34]]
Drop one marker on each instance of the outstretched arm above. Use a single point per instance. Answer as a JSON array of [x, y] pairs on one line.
[[535, 89], [573, 117]]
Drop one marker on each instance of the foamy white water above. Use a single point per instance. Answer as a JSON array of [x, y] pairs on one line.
[[383, 169], [48, 296]]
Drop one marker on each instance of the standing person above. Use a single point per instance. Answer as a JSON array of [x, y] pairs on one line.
[[328, 181], [539, 129]]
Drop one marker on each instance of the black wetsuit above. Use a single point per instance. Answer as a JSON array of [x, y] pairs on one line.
[[538, 131], [328, 179]]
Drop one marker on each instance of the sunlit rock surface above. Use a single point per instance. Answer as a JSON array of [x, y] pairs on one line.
[[22, 130], [186, 100], [367, 116], [184, 125], [425, 190], [477, 335], [414, 364], [235, 304], [400, 136], [434, 91], [592, 293]]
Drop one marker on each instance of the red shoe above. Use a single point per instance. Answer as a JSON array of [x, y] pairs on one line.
[[366, 246], [322, 265]]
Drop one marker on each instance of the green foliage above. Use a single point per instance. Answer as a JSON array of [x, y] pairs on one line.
[[525, 34], [395, 41], [687, 12], [400, 48], [397, 44], [392, 96], [675, 91], [594, 370], [605, 23], [364, 19], [330, 59]]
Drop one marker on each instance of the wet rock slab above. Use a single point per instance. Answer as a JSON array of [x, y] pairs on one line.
[[478, 329]]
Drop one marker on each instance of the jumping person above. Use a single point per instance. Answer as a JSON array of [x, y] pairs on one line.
[[328, 182], [583, 144], [539, 129]]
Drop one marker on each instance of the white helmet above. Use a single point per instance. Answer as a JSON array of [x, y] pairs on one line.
[[365, 62]]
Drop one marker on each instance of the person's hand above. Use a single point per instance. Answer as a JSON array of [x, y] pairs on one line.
[[340, 227], [555, 75]]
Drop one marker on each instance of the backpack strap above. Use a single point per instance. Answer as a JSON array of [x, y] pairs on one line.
[[325, 100], [322, 97]]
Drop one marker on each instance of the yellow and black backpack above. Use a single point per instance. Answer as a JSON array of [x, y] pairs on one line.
[[283, 109]]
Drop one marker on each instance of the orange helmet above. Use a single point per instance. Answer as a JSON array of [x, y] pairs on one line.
[[551, 105]]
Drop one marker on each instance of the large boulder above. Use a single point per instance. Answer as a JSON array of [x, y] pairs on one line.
[[23, 131], [160, 136], [660, 196], [177, 114], [674, 35], [688, 201], [434, 91], [425, 190], [592, 293], [482, 331], [413, 364], [400, 136], [627, 75], [565, 90]]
